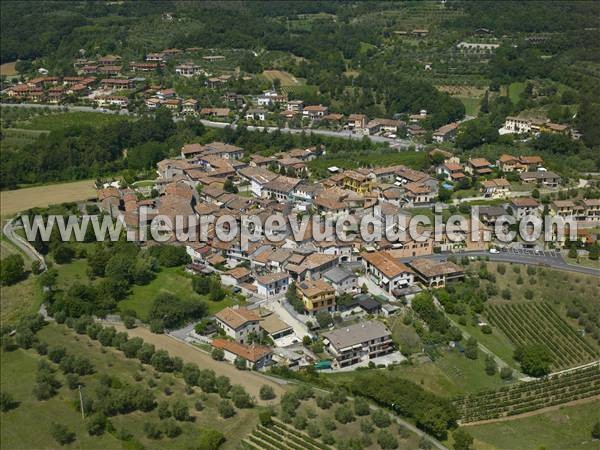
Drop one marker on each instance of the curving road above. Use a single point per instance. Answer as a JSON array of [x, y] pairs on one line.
[[22, 244]]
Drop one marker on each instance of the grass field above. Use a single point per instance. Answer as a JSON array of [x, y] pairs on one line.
[[15, 138], [514, 91], [286, 78], [12, 202], [567, 428], [19, 299], [59, 121], [173, 280], [448, 376], [472, 105], [412, 159], [18, 374]]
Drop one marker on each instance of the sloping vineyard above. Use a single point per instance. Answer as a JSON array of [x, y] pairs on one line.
[[279, 436], [530, 396], [538, 323]]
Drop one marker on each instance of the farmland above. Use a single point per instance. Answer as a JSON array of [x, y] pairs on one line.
[[12, 202], [286, 78], [530, 396], [565, 428], [18, 378], [529, 323], [59, 121]]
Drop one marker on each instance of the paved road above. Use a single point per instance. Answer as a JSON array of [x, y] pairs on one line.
[[26, 247], [546, 259], [401, 144]]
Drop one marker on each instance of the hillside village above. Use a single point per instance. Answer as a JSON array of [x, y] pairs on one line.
[[299, 285]]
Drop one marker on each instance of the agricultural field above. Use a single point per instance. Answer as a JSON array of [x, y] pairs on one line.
[[16, 138], [538, 323], [8, 69], [322, 421], [12, 202], [112, 367], [286, 78], [525, 397], [19, 299], [565, 428]]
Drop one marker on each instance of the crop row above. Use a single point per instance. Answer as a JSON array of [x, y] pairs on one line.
[[530, 396]]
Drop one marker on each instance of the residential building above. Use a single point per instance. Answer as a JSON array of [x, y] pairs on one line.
[[509, 163], [188, 69], [524, 206], [258, 178], [189, 106], [280, 188], [295, 106], [387, 272], [272, 284], [276, 328], [358, 343], [343, 281], [542, 177], [256, 114], [238, 323], [316, 295], [314, 111], [496, 188], [257, 357], [436, 274], [445, 133], [357, 122], [478, 166], [452, 171]]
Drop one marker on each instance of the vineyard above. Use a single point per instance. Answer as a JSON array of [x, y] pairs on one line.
[[279, 436], [530, 396], [538, 323]]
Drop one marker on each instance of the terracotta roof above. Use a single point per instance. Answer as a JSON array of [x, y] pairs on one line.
[[235, 318], [271, 278], [251, 353], [430, 268], [525, 202], [386, 264], [479, 162], [310, 288], [238, 272]]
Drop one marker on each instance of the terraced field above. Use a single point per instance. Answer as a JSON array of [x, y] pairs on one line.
[[538, 323]]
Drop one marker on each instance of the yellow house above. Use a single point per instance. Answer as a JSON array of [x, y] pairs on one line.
[[357, 182], [317, 296]]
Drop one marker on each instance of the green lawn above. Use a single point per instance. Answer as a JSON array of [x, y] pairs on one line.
[[514, 91], [566, 428], [18, 375], [173, 280], [59, 121], [472, 105], [19, 300]]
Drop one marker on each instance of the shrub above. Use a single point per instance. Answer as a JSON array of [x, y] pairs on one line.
[[381, 418], [226, 409], [506, 373], [7, 402], [386, 440], [266, 392], [300, 422], [323, 401], [361, 407], [61, 434], [171, 429], [96, 424], [343, 414], [152, 431], [217, 354]]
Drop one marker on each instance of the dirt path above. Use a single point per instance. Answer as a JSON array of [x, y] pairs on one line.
[[533, 413], [251, 381]]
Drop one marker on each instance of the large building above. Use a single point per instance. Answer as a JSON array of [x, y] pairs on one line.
[[316, 295], [238, 323], [387, 272], [357, 343]]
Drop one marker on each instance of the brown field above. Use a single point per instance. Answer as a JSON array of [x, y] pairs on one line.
[[11, 202], [8, 69], [287, 79], [464, 91]]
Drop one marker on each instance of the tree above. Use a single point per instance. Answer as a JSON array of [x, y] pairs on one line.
[[490, 365], [228, 186], [226, 409], [61, 434], [171, 429], [152, 431], [12, 269], [240, 398], [386, 440], [572, 252], [96, 424], [343, 414], [594, 252], [381, 418], [361, 407], [266, 392], [209, 439], [164, 410], [485, 103], [462, 439], [180, 410], [471, 350], [265, 416], [596, 430], [535, 359], [506, 373], [240, 363], [7, 402], [324, 319], [217, 354]]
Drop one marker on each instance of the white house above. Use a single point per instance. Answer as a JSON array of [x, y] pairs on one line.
[[272, 284], [387, 272], [238, 323]]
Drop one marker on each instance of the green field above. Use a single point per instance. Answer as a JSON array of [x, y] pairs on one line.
[[18, 375], [173, 280], [448, 376], [412, 159], [566, 428], [472, 105], [514, 91], [58, 121], [15, 138]]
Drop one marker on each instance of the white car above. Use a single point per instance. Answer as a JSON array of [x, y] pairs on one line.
[[494, 251]]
